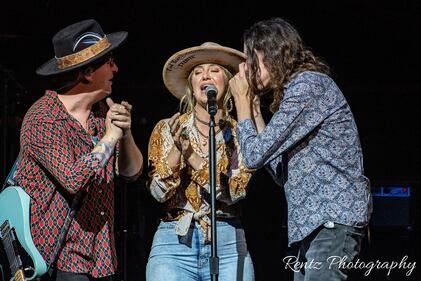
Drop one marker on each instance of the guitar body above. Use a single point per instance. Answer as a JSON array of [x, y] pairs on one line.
[[15, 212]]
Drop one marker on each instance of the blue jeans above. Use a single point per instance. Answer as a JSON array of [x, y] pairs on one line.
[[327, 253], [174, 258]]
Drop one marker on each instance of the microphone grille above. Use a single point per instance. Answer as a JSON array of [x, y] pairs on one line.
[[211, 89]]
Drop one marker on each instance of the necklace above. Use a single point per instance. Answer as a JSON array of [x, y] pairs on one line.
[[204, 138], [220, 123], [202, 121]]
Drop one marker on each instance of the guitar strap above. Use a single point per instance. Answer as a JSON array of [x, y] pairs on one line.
[[11, 181]]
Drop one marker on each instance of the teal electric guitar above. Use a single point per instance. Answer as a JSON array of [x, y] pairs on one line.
[[20, 260]]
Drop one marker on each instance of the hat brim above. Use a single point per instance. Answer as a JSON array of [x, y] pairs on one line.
[[51, 68], [178, 67]]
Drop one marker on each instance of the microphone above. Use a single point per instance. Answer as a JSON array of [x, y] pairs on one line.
[[211, 93]]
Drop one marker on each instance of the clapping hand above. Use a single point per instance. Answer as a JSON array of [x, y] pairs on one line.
[[119, 115]]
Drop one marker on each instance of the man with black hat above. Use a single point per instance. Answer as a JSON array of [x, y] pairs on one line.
[[71, 144]]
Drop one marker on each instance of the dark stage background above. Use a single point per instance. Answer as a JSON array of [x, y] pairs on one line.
[[372, 47]]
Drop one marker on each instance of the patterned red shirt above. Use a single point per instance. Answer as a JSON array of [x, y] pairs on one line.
[[56, 163]]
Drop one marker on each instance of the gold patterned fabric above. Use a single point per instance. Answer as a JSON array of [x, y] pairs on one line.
[[187, 189], [83, 55]]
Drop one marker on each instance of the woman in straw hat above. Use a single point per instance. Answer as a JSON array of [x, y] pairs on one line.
[[178, 157]]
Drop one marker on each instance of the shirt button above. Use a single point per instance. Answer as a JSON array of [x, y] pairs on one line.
[[329, 224], [102, 213]]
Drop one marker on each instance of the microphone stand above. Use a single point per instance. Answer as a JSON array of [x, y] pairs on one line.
[[213, 260]]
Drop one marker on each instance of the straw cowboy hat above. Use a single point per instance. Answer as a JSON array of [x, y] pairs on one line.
[[78, 45], [178, 67]]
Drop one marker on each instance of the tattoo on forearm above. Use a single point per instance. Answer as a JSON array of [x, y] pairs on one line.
[[103, 152]]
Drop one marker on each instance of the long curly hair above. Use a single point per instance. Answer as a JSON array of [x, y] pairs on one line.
[[187, 102], [285, 55]]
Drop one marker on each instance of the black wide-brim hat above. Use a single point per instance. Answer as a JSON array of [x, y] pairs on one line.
[[79, 45]]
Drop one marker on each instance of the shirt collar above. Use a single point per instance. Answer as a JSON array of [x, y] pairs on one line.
[[58, 111]]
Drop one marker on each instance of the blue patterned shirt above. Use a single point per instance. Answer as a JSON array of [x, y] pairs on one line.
[[312, 148]]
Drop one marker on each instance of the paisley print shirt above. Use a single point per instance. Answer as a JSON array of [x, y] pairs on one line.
[[312, 148]]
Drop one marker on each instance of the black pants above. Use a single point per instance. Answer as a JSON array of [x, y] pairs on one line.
[[58, 275]]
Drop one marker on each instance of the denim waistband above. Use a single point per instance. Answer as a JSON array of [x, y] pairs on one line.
[[233, 221]]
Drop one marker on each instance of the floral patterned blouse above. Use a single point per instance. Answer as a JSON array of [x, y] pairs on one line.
[[185, 190]]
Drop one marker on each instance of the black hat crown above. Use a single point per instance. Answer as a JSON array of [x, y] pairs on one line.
[[78, 45], [77, 37]]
